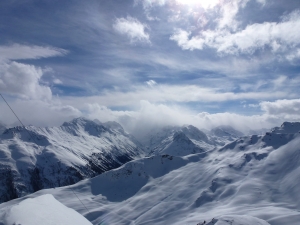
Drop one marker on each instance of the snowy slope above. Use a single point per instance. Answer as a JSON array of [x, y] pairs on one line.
[[254, 180], [179, 141], [225, 134], [287, 128], [180, 145], [44, 210], [34, 158]]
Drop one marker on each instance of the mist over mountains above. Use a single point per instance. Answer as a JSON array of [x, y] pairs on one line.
[[176, 175], [37, 158]]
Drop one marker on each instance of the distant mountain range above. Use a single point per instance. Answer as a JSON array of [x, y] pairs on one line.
[[37, 158], [34, 158], [178, 175], [185, 140], [253, 180]]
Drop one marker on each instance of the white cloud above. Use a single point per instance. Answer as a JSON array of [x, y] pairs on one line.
[[183, 40], [280, 36], [57, 81], [150, 3], [170, 94], [279, 81], [17, 51], [132, 28], [229, 11], [151, 83], [149, 115], [289, 109], [23, 80], [293, 55], [152, 116], [37, 112]]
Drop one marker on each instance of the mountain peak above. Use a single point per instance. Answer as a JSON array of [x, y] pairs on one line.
[[226, 131], [287, 128], [194, 133], [180, 136], [78, 121], [82, 124]]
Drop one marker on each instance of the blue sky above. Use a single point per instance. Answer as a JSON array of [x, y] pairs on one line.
[[151, 62]]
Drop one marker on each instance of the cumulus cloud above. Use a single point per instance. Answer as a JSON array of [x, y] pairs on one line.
[[100, 112], [132, 28], [287, 108], [183, 40], [17, 51], [277, 36], [151, 116], [228, 14], [23, 80]]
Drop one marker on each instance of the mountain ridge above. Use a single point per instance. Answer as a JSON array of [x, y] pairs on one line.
[[36, 158], [253, 180]]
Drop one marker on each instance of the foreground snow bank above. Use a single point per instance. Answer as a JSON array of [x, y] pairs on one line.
[[44, 210]]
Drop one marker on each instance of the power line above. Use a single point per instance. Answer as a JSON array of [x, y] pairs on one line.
[[11, 109], [80, 200], [16, 116], [44, 156]]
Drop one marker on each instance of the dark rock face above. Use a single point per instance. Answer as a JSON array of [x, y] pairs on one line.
[[8, 188], [15, 184], [33, 158]]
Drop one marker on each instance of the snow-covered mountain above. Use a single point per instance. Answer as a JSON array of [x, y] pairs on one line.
[[34, 158], [185, 140], [225, 134], [178, 141], [287, 128], [254, 180]]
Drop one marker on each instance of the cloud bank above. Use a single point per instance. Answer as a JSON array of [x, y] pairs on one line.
[[23, 80]]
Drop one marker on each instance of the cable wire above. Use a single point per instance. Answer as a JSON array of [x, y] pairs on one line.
[[44, 156], [11, 109], [16, 116]]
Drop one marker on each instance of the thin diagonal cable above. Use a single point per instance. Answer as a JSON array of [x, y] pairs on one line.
[[80, 200], [32, 138], [16, 116], [11, 109]]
